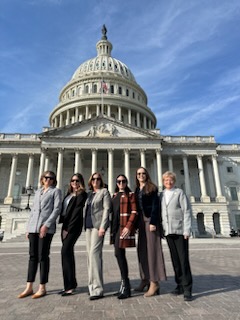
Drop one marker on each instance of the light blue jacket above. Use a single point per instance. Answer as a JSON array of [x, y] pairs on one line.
[[45, 210], [177, 214]]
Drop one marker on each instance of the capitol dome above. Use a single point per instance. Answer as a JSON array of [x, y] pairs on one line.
[[103, 85]]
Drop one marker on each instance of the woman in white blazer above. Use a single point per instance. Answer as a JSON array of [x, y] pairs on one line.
[[40, 230], [176, 221], [97, 210]]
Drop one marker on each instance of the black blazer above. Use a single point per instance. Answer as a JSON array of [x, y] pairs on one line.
[[73, 219], [150, 203]]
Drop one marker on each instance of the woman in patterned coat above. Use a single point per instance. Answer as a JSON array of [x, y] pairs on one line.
[[123, 229]]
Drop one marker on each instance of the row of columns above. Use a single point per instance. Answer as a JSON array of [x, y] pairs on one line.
[[78, 167], [60, 120]]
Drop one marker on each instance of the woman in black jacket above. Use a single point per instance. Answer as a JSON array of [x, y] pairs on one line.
[[72, 219], [150, 255]]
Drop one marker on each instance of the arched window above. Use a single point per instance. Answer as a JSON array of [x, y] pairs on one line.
[[94, 88], [86, 89]]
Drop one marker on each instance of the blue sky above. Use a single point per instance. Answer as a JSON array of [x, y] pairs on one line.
[[185, 54]]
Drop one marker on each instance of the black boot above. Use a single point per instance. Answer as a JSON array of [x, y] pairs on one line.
[[126, 290], [116, 294]]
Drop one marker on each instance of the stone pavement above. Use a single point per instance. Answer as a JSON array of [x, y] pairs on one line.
[[216, 274]]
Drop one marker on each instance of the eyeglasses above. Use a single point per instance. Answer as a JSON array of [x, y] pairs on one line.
[[49, 178], [121, 181], [141, 173], [97, 179], [75, 180]]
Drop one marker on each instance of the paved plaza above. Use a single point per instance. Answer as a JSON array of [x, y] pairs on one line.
[[216, 274]]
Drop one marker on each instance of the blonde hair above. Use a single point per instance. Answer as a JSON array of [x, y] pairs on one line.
[[169, 174]]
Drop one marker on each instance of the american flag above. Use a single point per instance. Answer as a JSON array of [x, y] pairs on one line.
[[104, 86]]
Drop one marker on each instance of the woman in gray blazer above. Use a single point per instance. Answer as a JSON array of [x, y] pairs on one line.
[[40, 230], [97, 209], [176, 221]]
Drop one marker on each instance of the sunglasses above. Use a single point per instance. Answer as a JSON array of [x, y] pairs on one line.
[[75, 180], [121, 181], [141, 173], [97, 179], [49, 178]]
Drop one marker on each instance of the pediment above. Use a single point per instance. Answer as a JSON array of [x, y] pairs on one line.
[[99, 127]]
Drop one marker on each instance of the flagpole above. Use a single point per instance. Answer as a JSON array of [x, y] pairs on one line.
[[102, 95]]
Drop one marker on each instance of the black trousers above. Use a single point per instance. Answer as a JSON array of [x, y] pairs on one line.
[[68, 261], [39, 250], [120, 254], [180, 260]]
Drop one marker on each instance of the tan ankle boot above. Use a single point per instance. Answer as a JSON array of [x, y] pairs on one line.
[[153, 289]]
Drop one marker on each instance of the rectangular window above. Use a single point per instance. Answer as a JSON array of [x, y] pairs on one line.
[[229, 169], [233, 192]]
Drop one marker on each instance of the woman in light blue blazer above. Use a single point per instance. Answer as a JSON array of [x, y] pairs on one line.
[[97, 210], [40, 230], [176, 221]]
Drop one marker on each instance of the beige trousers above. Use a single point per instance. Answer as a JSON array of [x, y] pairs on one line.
[[94, 245]]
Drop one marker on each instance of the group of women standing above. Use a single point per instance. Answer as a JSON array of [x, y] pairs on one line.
[[126, 212]]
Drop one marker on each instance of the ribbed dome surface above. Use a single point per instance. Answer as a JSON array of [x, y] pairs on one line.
[[103, 63]]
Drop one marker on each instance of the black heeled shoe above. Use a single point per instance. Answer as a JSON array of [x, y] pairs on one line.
[[144, 284]]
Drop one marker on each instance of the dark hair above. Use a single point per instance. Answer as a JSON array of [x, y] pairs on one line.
[[149, 186], [90, 180], [127, 189], [52, 175], [81, 182]]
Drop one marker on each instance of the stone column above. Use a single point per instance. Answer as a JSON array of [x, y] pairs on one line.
[[144, 122], [98, 110], [149, 124], [87, 112], [9, 198], [68, 117], [76, 114], [110, 171], [143, 158], [94, 160], [170, 163], [109, 110], [60, 169], [159, 169], [47, 162], [220, 197], [129, 116], [127, 164], [204, 196], [186, 177], [29, 179], [78, 168], [119, 113], [41, 167], [138, 119], [61, 120]]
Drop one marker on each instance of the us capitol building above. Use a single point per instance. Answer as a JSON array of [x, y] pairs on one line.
[[103, 123]]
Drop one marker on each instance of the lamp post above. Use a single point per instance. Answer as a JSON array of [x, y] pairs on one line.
[[29, 193]]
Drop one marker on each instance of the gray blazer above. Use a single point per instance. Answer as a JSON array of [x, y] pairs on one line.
[[100, 208], [177, 214], [46, 208]]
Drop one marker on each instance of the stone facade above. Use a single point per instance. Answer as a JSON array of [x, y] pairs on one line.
[[103, 123]]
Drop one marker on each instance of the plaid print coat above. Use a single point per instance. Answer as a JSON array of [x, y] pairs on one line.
[[128, 216]]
